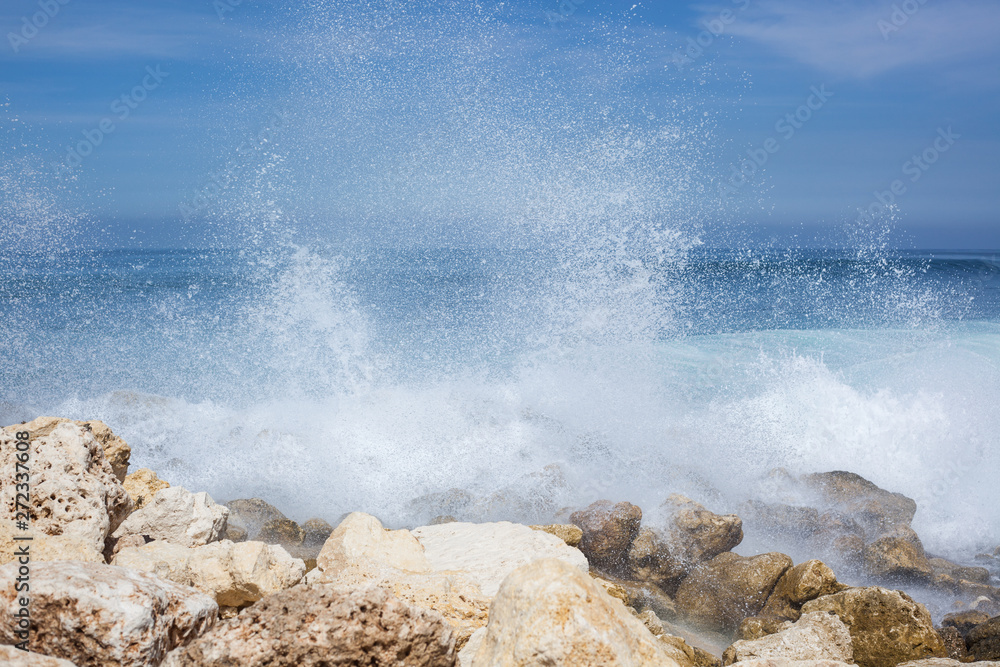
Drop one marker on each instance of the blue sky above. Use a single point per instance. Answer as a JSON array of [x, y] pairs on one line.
[[417, 114]]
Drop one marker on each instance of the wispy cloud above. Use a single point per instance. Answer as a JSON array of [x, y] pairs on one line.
[[847, 38]]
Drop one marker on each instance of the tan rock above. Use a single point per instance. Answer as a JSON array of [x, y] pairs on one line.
[[101, 616], [964, 621], [487, 553], [568, 533], [142, 485], [877, 510], [252, 514], [12, 657], [550, 613], [608, 532], [815, 636], [684, 535], [725, 590], [281, 531], [785, 662], [887, 627], [945, 662], [326, 627], [755, 627], [360, 543], [984, 640], [898, 556], [116, 450], [178, 516], [804, 582], [74, 493], [686, 655], [317, 531], [46, 547], [233, 574]]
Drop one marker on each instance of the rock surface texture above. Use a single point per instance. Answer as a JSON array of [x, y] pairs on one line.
[[550, 613], [815, 636], [142, 485], [984, 640], [12, 657], [887, 627], [178, 516], [608, 532], [316, 626], [804, 582], [100, 615]]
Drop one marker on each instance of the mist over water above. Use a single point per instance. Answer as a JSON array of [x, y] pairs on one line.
[[501, 279]]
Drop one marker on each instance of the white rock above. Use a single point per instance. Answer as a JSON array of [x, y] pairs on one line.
[[98, 615], [815, 636], [12, 657], [73, 492], [488, 552], [178, 516], [550, 613], [234, 574], [360, 543], [466, 655], [785, 662]]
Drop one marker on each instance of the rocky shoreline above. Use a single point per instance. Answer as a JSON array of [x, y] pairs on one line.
[[121, 568]]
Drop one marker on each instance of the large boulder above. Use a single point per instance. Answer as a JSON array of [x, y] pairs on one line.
[[815, 636], [984, 640], [361, 552], [804, 582], [13, 657], [567, 532], [101, 615], [720, 593], [250, 514], [233, 574], [116, 450], [46, 547], [887, 627], [898, 556], [878, 511], [551, 613], [682, 535], [178, 516], [142, 485], [74, 494], [608, 532], [487, 552], [316, 626], [964, 621]]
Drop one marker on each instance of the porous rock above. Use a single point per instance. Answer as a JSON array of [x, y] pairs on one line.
[[233, 574], [946, 662], [178, 516], [887, 627], [74, 493], [550, 613], [722, 592], [142, 485], [100, 615], [806, 581], [487, 552], [608, 532], [316, 626], [984, 640], [12, 657], [815, 636], [684, 534], [116, 450]]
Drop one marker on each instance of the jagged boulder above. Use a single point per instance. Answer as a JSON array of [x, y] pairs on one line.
[[13, 657], [964, 621], [984, 640], [116, 450], [251, 514], [877, 510], [316, 626], [568, 533], [178, 516], [608, 532], [142, 485], [804, 582], [887, 627], [815, 636], [722, 592], [100, 615], [898, 556], [551, 613]]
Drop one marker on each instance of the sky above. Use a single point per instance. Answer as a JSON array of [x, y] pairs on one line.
[[794, 117]]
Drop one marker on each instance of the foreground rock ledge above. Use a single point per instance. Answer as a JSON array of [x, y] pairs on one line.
[[317, 626]]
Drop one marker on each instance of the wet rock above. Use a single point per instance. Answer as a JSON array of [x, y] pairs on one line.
[[233, 574], [315, 626], [849, 549], [75, 496], [756, 627], [487, 553], [608, 532], [100, 615], [690, 534], [984, 640], [898, 557], [12, 657], [281, 531], [686, 655], [815, 636], [551, 613], [783, 520], [877, 510], [725, 590], [235, 532], [887, 627], [954, 643], [142, 485], [964, 621], [568, 533], [613, 588], [804, 582], [178, 516], [251, 514], [453, 502], [317, 531]]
